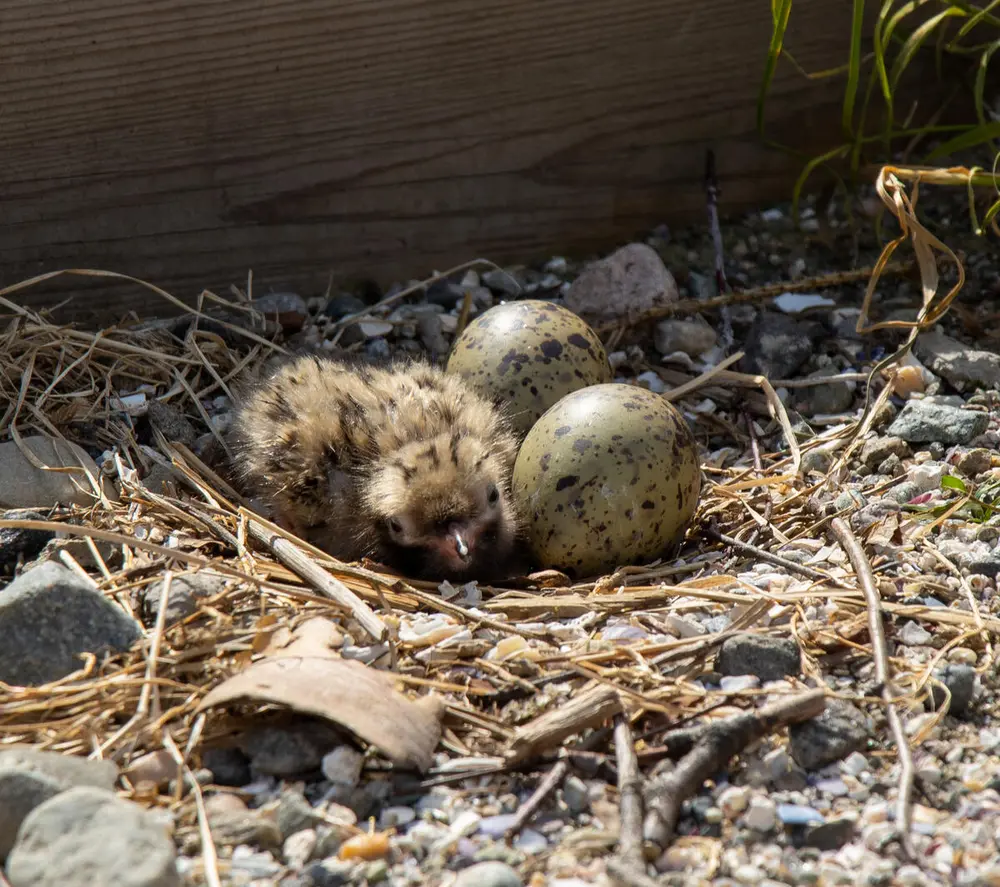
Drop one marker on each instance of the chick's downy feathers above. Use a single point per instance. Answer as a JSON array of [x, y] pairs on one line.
[[404, 464]]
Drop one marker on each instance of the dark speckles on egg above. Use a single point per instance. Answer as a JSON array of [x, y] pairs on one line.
[[553, 351], [614, 478]]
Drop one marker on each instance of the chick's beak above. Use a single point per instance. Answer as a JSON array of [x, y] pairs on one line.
[[463, 541]]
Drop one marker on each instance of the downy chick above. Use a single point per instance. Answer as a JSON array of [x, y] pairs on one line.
[[405, 465]]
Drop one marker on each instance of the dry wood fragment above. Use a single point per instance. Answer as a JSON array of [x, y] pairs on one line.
[[316, 576], [548, 785], [883, 676], [629, 796], [588, 708], [710, 753]]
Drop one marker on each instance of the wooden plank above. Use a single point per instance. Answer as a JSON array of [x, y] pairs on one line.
[[186, 142]]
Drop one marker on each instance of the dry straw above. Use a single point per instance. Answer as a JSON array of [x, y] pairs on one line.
[[69, 382]]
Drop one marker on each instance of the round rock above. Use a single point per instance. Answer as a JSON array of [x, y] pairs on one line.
[[488, 874], [86, 836]]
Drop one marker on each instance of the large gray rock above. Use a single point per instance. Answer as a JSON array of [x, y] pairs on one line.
[[85, 837], [29, 776], [22, 485], [48, 617], [962, 366], [630, 282], [924, 421]]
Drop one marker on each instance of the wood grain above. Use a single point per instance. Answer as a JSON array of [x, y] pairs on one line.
[[186, 142]]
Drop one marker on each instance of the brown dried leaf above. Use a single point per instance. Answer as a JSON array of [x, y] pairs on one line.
[[302, 672]]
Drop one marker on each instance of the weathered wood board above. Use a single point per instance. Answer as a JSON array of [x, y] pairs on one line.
[[186, 142]]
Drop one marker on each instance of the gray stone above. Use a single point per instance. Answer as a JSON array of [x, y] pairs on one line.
[[291, 750], [769, 658], [829, 399], [343, 304], [830, 835], [25, 486], [630, 282], [431, 333], [488, 874], [832, 735], [184, 595], [974, 462], [891, 467], [21, 545], [332, 872], [49, 616], [904, 492], [29, 776], [295, 813], [962, 366], [501, 282], [172, 423], [87, 836], [960, 679], [234, 828], [873, 511], [923, 421], [692, 337], [229, 766], [575, 795], [876, 450], [987, 565], [777, 345]]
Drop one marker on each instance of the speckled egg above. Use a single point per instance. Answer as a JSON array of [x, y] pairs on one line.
[[526, 355], [608, 476]]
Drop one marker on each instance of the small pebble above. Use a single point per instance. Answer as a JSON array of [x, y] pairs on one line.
[[488, 874], [913, 634], [761, 815]]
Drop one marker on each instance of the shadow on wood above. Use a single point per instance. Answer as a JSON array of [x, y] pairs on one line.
[[186, 142]]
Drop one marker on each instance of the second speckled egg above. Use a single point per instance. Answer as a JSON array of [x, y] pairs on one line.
[[609, 476], [526, 355]]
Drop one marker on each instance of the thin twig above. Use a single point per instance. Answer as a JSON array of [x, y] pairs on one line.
[[711, 753], [629, 796], [316, 576], [530, 807], [777, 559], [721, 284], [883, 676]]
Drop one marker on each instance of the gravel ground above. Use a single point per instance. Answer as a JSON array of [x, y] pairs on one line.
[[814, 804]]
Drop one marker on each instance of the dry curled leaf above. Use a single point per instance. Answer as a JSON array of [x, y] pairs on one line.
[[302, 672]]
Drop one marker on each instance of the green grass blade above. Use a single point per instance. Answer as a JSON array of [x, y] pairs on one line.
[[780, 12], [853, 68], [970, 138], [916, 39], [810, 167]]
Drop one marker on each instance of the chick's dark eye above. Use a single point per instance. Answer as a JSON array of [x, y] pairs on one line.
[[493, 495], [395, 526]]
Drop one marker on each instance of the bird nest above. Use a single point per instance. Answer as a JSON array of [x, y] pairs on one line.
[[505, 660]]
